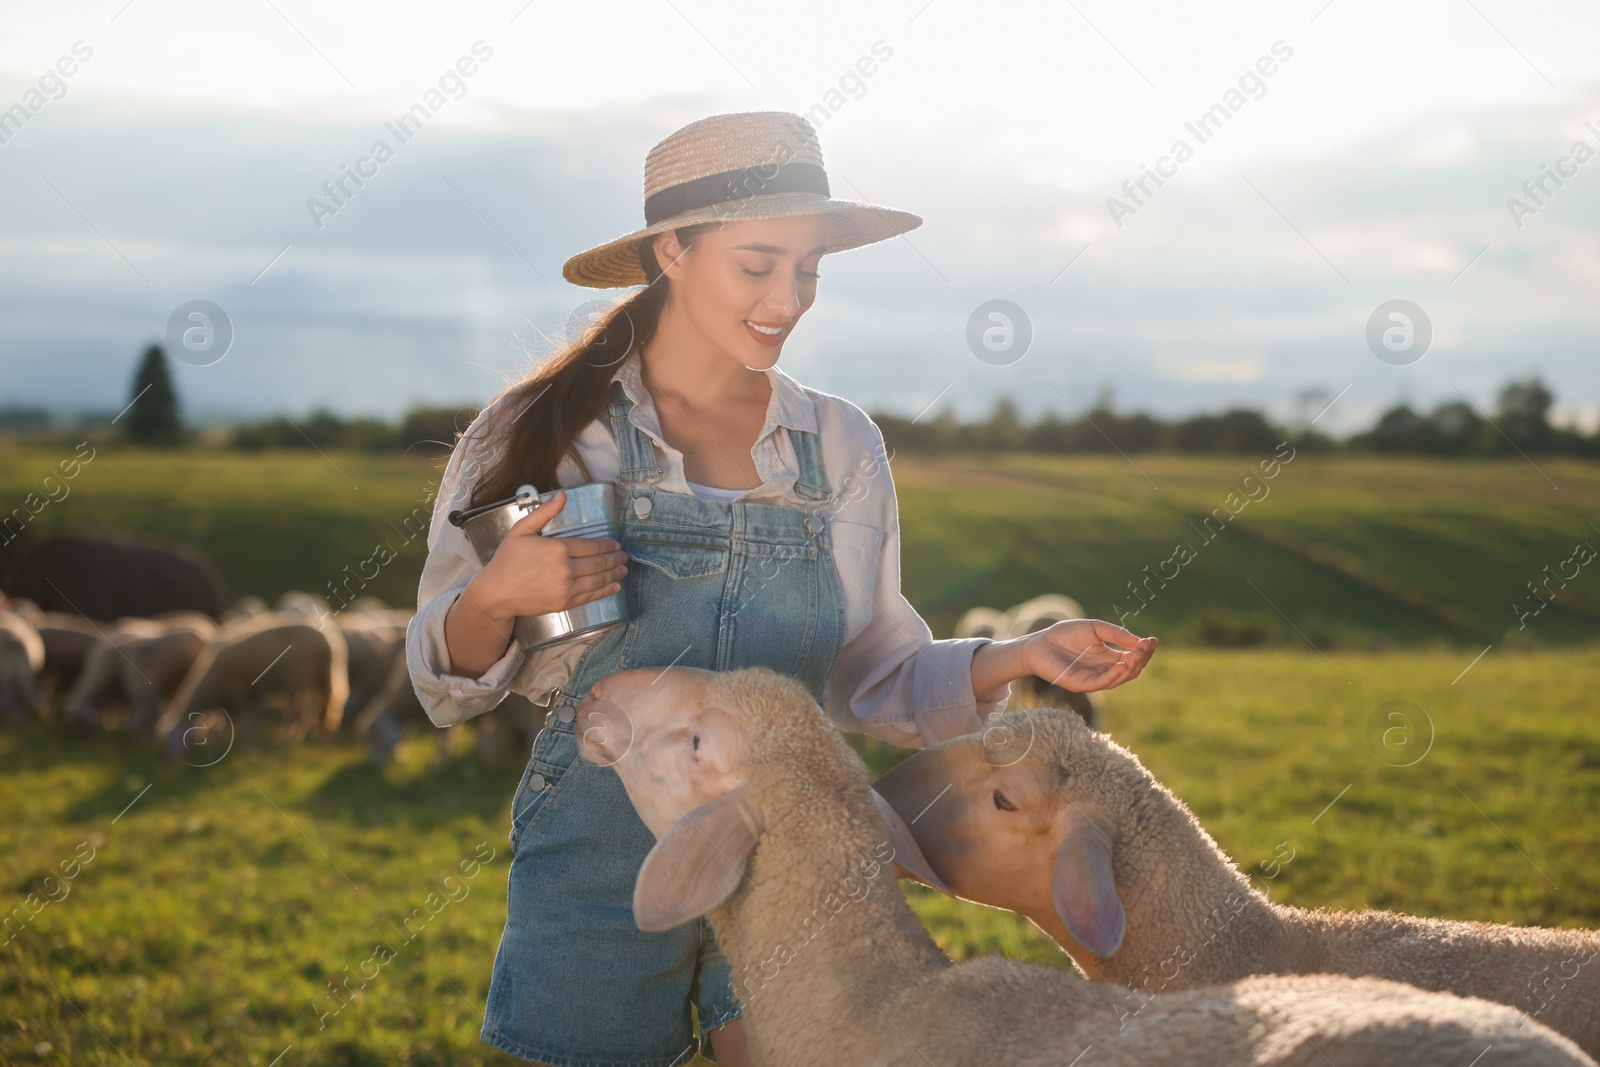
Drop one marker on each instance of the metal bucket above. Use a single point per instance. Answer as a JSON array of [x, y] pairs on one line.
[[590, 511]]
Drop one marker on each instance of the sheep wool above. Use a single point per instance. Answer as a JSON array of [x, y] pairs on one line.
[[1193, 919], [834, 967]]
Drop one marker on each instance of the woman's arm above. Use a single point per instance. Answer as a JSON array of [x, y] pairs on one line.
[[893, 680], [448, 693]]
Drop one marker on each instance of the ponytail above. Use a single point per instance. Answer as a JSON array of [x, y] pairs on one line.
[[533, 424]]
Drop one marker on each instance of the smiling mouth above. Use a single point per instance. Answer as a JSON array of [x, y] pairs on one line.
[[770, 331]]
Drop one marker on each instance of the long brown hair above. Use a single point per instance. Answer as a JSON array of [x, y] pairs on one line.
[[533, 423]]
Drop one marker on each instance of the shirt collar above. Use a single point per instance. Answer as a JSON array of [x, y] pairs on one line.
[[789, 405]]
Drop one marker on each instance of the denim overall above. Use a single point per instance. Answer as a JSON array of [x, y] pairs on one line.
[[713, 584]]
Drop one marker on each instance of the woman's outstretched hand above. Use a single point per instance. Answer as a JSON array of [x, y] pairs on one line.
[[1078, 654]]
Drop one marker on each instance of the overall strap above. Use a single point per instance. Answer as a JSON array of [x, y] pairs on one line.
[[636, 456], [812, 481]]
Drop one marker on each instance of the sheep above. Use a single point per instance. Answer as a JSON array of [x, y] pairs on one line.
[[68, 640], [980, 622], [766, 826], [372, 642], [21, 660], [99, 683], [245, 607], [153, 667], [1045, 817], [383, 721], [1029, 617], [303, 664], [507, 727]]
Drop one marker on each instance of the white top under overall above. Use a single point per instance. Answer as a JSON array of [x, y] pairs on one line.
[[892, 679], [712, 492]]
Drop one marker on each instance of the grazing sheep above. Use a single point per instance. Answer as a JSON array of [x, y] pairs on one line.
[[99, 684], [766, 826], [372, 642], [239, 671], [153, 667], [383, 721], [68, 640], [245, 607], [21, 660], [980, 622], [1052, 820], [1028, 617], [24, 607], [507, 727], [312, 606]]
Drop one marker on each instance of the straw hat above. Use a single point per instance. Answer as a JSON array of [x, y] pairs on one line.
[[747, 165]]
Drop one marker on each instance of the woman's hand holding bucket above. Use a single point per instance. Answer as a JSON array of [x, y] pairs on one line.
[[529, 574]]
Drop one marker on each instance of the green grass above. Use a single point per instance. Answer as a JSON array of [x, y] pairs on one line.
[[216, 907], [1346, 551]]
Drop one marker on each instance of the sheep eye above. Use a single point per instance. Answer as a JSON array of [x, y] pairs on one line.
[[1002, 802], [697, 742]]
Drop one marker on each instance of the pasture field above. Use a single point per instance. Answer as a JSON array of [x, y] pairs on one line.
[[1343, 551], [220, 900], [217, 903]]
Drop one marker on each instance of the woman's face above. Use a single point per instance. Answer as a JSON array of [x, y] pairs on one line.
[[743, 276]]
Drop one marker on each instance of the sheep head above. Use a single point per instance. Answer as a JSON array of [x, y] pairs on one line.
[[1026, 816], [702, 754]]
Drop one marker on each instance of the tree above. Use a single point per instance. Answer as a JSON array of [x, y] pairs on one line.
[[153, 406], [1524, 411]]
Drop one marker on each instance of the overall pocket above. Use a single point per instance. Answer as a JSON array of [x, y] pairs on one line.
[[673, 591], [553, 754]]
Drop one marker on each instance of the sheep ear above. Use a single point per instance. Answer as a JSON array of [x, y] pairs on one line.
[[698, 862], [1085, 892], [909, 861]]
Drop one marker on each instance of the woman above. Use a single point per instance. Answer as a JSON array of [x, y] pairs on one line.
[[744, 546]]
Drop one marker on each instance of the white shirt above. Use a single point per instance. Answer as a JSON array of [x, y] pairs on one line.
[[892, 679]]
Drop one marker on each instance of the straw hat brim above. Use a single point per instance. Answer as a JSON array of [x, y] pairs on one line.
[[851, 224]]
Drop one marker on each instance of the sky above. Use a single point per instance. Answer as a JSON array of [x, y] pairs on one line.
[[1383, 158]]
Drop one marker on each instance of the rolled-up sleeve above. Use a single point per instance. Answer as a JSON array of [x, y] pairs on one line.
[[451, 563], [893, 680]]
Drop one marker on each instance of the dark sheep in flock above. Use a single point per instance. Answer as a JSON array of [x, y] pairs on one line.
[[112, 576]]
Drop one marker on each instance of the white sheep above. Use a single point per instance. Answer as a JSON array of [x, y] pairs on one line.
[[766, 826], [980, 622], [153, 667], [1043, 816], [21, 660], [99, 684], [373, 641], [248, 665]]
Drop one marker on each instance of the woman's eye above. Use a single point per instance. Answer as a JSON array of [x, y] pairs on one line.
[[813, 275], [1002, 802]]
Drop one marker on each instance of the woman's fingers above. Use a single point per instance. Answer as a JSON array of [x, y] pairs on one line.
[[1112, 634]]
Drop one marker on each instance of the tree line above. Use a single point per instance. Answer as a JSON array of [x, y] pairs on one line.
[[1520, 422]]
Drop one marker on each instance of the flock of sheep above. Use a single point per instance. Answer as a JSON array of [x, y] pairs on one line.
[[766, 825], [192, 684]]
